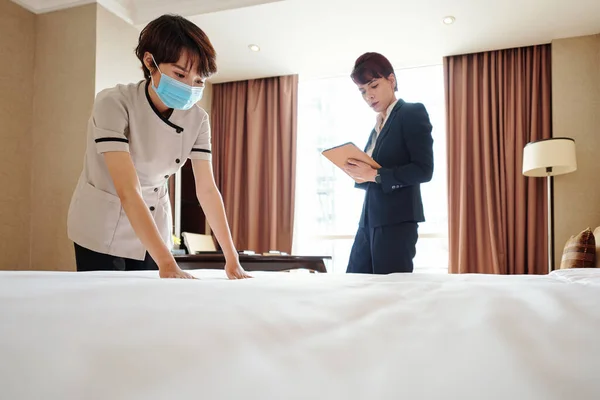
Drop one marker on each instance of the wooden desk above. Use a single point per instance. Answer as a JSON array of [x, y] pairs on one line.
[[254, 262]]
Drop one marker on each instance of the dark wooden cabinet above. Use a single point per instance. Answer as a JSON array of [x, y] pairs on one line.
[[192, 217]]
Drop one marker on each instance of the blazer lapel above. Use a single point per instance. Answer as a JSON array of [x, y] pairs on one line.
[[388, 123], [373, 132]]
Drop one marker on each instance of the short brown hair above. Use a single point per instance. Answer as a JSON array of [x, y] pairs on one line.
[[168, 36], [371, 66]]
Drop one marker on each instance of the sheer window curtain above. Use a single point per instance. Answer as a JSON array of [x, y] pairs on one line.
[[332, 111]]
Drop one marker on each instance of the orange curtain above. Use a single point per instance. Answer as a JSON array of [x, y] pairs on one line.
[[254, 126], [496, 102]]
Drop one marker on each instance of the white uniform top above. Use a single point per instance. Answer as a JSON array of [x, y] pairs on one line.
[[381, 120], [124, 119]]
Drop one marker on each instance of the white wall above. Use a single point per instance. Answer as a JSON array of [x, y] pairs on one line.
[[115, 51], [576, 114]]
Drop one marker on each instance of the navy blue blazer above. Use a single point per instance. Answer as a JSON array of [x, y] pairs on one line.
[[404, 149]]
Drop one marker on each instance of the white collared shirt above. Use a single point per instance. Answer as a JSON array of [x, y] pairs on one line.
[[125, 119], [381, 120]]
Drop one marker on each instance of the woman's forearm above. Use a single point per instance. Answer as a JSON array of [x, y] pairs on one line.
[[214, 209], [124, 176], [144, 227]]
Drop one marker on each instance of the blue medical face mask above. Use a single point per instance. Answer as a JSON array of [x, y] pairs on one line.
[[175, 94]]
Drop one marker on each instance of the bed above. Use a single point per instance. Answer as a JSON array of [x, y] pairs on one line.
[[130, 335]]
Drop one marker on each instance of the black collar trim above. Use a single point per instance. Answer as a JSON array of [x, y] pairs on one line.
[[177, 128]]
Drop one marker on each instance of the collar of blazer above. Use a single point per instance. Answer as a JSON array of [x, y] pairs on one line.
[[386, 127]]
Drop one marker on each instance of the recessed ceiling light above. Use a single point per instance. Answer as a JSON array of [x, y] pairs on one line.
[[449, 20], [254, 47]]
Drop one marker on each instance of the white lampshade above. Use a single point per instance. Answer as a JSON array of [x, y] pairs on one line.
[[556, 153]]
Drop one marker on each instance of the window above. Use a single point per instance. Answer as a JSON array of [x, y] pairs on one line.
[[330, 112]]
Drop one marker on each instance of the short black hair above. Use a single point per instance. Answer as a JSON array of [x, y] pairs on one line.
[[168, 36], [372, 66]]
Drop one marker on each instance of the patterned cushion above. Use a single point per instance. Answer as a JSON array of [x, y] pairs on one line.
[[580, 251], [597, 235]]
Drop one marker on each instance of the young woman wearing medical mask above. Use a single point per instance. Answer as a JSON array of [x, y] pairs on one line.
[[137, 137]]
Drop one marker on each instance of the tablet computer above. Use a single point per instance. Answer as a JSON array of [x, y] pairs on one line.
[[339, 155]]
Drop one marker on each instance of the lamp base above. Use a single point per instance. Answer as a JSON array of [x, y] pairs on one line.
[[550, 222]]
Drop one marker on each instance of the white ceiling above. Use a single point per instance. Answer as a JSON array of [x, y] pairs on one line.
[[317, 38], [141, 11]]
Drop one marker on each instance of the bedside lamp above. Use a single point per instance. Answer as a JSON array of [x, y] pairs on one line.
[[547, 158]]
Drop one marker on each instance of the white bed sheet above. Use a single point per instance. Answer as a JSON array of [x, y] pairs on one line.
[[117, 335]]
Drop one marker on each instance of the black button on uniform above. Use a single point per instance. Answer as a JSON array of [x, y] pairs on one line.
[[166, 176], [177, 161], [156, 189], [152, 208]]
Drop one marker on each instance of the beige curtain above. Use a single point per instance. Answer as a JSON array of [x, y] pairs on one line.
[[496, 102], [254, 156]]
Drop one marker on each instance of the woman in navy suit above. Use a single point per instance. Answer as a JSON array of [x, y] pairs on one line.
[[402, 144]]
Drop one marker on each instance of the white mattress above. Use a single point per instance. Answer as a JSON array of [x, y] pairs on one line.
[[299, 336]]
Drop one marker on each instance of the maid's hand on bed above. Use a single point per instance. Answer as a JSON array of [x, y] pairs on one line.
[[174, 272], [234, 270]]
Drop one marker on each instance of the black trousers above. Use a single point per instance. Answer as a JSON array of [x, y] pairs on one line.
[[88, 260], [384, 249]]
